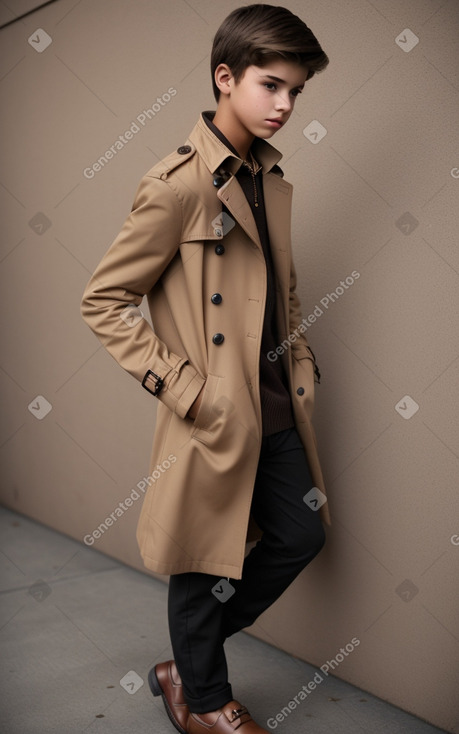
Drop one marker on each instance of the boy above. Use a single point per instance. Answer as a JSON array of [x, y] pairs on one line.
[[234, 451]]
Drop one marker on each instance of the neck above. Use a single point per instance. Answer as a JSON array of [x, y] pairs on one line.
[[236, 133]]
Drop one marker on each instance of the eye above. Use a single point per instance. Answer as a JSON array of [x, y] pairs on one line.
[[295, 92], [271, 86]]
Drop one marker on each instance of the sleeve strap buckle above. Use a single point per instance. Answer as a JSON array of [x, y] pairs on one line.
[[159, 382]]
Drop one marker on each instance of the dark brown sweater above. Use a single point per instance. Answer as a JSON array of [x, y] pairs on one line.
[[276, 407]]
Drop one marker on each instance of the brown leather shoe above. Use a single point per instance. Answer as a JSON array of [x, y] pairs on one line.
[[231, 717], [164, 680]]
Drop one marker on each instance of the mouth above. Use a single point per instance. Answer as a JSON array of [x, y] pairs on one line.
[[275, 122]]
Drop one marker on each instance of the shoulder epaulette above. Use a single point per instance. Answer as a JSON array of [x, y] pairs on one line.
[[172, 161]]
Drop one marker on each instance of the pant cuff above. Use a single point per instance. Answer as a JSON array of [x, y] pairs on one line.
[[211, 702]]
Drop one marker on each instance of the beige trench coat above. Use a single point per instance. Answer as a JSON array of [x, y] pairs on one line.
[[196, 511]]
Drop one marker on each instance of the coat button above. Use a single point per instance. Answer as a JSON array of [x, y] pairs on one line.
[[300, 391], [184, 149], [218, 338], [220, 249], [216, 298], [218, 181]]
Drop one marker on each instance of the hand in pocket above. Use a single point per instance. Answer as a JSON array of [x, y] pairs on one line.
[[194, 408]]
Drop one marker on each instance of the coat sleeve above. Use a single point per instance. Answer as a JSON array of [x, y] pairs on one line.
[[300, 347], [148, 241]]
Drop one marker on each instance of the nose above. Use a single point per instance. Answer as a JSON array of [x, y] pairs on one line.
[[283, 102]]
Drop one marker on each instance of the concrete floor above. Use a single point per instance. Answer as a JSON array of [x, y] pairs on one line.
[[74, 623]]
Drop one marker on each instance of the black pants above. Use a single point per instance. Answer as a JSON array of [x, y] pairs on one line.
[[293, 534]]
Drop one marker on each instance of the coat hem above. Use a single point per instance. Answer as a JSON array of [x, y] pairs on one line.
[[223, 570]]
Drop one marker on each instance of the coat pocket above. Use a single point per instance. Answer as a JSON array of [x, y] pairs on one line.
[[207, 414]]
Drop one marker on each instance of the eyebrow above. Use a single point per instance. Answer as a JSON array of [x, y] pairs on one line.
[[282, 81]]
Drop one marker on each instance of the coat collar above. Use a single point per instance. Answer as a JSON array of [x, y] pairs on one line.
[[214, 152]]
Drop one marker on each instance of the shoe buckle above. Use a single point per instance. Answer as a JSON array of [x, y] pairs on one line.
[[237, 713]]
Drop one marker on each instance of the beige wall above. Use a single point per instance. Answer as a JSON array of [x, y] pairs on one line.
[[387, 574]]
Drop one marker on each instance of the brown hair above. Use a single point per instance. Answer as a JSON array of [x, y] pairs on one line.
[[257, 34]]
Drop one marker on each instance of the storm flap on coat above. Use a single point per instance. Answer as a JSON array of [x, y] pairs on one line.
[[196, 513]]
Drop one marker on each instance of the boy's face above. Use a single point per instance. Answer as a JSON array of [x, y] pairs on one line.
[[263, 99]]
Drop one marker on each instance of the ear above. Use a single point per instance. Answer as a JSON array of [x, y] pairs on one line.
[[223, 78]]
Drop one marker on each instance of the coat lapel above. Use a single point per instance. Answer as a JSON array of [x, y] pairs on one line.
[[233, 197], [278, 201]]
